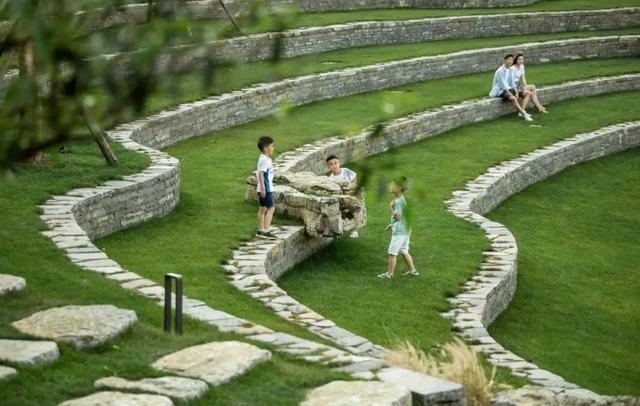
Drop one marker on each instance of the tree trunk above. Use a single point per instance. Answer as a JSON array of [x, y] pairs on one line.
[[233, 20], [98, 135]]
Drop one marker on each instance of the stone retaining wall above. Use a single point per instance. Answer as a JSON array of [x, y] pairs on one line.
[[238, 107], [255, 266], [488, 294], [313, 40]]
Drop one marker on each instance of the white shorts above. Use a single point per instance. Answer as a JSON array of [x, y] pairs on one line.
[[399, 243]]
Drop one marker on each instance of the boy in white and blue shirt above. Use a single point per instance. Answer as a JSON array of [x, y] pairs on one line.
[[264, 188], [338, 173]]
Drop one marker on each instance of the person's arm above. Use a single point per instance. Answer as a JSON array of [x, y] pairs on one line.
[[504, 83], [523, 80], [263, 190]]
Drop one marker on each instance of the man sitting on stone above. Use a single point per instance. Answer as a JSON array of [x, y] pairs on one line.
[[341, 174]]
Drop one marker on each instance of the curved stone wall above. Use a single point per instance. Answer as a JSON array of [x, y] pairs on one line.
[[256, 265], [487, 295], [304, 41], [238, 107]]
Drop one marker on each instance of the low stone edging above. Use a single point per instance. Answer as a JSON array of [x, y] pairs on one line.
[[312, 40], [255, 266], [488, 294], [258, 101]]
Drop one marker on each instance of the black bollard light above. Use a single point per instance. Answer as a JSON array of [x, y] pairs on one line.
[[168, 278]]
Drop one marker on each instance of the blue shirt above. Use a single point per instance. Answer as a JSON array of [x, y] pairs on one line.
[[503, 79]]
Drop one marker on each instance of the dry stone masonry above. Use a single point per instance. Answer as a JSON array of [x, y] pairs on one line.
[[312, 40], [81, 326], [489, 293], [242, 106], [256, 265]]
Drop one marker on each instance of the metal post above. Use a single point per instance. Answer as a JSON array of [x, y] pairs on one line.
[[168, 278]]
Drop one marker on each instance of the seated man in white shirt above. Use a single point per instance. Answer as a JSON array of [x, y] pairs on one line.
[[338, 173]]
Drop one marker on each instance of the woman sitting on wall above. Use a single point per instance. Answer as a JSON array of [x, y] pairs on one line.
[[523, 88]]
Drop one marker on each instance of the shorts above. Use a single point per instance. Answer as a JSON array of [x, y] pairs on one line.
[[506, 95], [399, 243], [267, 201]]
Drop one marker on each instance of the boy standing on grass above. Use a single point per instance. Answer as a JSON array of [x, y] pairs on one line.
[[264, 188], [400, 232]]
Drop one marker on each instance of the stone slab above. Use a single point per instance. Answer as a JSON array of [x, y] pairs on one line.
[[10, 283], [81, 326], [215, 362], [109, 398], [7, 373], [178, 388], [426, 389], [27, 352], [343, 393]]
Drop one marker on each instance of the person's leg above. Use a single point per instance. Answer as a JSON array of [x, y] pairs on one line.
[[268, 217], [534, 98], [408, 260], [525, 99], [391, 264], [515, 103], [261, 217]]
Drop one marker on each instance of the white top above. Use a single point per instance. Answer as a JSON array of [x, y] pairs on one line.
[[519, 72], [345, 174], [265, 165]]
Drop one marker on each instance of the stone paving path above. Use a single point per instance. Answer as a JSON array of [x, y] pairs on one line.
[[109, 398]]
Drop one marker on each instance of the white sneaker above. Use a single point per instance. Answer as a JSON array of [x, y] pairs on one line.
[[412, 272], [528, 117], [354, 234], [519, 114], [384, 276]]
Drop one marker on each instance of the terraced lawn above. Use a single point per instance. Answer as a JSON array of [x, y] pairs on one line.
[[53, 281], [576, 309], [212, 29], [212, 217]]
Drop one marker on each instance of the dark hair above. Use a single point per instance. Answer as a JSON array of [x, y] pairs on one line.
[[402, 182], [263, 142], [515, 59], [330, 157], [507, 56]]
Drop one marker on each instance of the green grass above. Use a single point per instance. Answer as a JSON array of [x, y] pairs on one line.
[[340, 282], [52, 280], [576, 310], [212, 29], [212, 218]]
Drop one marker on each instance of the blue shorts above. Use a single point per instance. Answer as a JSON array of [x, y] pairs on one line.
[[267, 201]]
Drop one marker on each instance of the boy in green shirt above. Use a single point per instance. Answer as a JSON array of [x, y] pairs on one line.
[[400, 232]]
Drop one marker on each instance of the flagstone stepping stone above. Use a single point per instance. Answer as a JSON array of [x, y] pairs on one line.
[[10, 283], [7, 373], [81, 326], [426, 390], [355, 393], [119, 399], [215, 362], [182, 389], [27, 352]]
